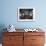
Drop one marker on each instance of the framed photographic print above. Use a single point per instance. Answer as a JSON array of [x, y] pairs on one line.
[[26, 14]]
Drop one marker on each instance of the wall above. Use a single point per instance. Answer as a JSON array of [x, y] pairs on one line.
[[9, 13]]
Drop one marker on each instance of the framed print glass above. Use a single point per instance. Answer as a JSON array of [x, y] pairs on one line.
[[26, 14]]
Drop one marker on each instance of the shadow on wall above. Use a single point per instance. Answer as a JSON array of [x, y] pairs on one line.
[[2, 26]]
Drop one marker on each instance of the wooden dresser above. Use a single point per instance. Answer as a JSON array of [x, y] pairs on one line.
[[23, 39]]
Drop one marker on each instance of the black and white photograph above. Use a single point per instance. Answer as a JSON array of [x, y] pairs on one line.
[[26, 14]]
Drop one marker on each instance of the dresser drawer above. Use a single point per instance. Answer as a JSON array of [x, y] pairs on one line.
[[37, 44], [13, 44], [13, 33], [37, 39], [12, 39], [34, 33]]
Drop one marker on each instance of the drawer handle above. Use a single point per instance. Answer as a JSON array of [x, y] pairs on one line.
[[11, 38], [33, 39]]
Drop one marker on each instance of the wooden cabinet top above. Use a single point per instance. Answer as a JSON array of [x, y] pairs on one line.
[[24, 33]]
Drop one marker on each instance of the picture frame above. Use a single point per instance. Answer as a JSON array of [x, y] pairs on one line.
[[26, 14]]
